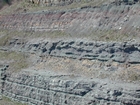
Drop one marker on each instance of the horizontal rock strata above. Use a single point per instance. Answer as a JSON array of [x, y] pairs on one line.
[[53, 89], [54, 2], [48, 88], [77, 21], [67, 2], [103, 51]]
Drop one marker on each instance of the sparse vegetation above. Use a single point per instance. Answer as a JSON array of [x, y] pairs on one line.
[[17, 61], [75, 67], [4, 40], [129, 75], [106, 35], [20, 6], [7, 35], [7, 101]]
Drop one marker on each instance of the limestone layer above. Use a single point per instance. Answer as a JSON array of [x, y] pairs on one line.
[[35, 88], [103, 51]]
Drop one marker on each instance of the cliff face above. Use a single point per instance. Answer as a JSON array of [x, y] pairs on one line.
[[123, 19], [52, 2], [103, 51], [64, 70], [45, 88], [67, 2]]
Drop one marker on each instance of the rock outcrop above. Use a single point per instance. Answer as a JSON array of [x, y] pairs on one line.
[[2, 78], [103, 51], [67, 2], [45, 88], [53, 2], [85, 20]]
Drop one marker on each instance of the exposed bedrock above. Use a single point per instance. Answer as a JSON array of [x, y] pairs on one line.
[[78, 21], [50, 88], [46, 87], [67, 2], [103, 51], [54, 2]]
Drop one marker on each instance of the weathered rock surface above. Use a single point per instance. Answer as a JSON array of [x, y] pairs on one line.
[[103, 51], [53, 2], [48, 88], [78, 21], [67, 2]]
